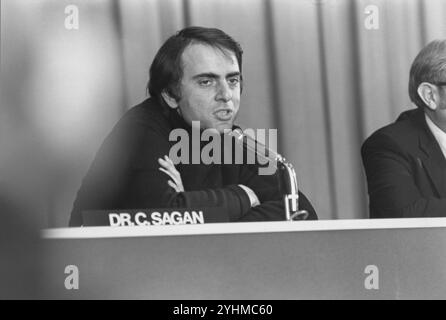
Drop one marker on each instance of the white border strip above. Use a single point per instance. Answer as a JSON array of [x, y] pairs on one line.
[[242, 227]]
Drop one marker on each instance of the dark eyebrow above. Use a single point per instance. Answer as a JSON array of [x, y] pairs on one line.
[[214, 76], [233, 74], [206, 75]]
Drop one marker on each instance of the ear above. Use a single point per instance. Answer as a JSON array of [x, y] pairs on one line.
[[171, 101], [428, 94]]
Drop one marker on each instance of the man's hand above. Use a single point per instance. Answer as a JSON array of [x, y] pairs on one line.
[[251, 194], [169, 169]]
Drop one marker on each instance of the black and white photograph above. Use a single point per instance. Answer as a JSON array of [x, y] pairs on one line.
[[223, 150]]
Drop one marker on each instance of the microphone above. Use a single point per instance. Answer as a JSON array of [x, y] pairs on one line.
[[254, 146], [291, 197]]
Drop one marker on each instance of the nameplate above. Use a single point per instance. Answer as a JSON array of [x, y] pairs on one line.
[[153, 217]]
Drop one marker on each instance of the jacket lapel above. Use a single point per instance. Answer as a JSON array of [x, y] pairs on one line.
[[432, 157]]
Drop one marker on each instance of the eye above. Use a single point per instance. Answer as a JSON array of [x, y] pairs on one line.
[[205, 82], [234, 81]]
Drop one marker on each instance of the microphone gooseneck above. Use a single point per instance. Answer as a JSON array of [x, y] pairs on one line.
[[253, 145], [291, 196]]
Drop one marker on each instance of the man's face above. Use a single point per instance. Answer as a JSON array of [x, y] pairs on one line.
[[210, 87], [442, 104], [440, 94]]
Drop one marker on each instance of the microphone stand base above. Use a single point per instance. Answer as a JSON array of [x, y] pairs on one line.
[[299, 215]]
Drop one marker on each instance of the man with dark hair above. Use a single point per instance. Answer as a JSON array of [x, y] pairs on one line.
[[405, 162], [195, 78]]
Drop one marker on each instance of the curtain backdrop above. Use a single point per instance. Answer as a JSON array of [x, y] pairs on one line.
[[312, 69]]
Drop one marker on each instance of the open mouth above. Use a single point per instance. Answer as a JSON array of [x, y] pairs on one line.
[[224, 114]]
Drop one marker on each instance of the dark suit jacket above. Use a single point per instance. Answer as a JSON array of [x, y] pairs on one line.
[[406, 170], [125, 174]]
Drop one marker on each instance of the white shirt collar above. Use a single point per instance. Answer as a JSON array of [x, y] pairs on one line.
[[439, 134]]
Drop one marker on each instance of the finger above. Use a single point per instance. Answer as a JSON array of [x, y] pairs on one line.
[[177, 187], [170, 167], [173, 185], [168, 164], [169, 160], [180, 187], [175, 177], [171, 170], [170, 174], [164, 163]]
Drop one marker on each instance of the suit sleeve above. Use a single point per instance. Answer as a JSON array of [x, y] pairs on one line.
[[393, 192], [125, 174], [267, 189]]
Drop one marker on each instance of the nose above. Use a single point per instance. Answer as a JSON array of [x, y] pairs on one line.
[[224, 92]]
